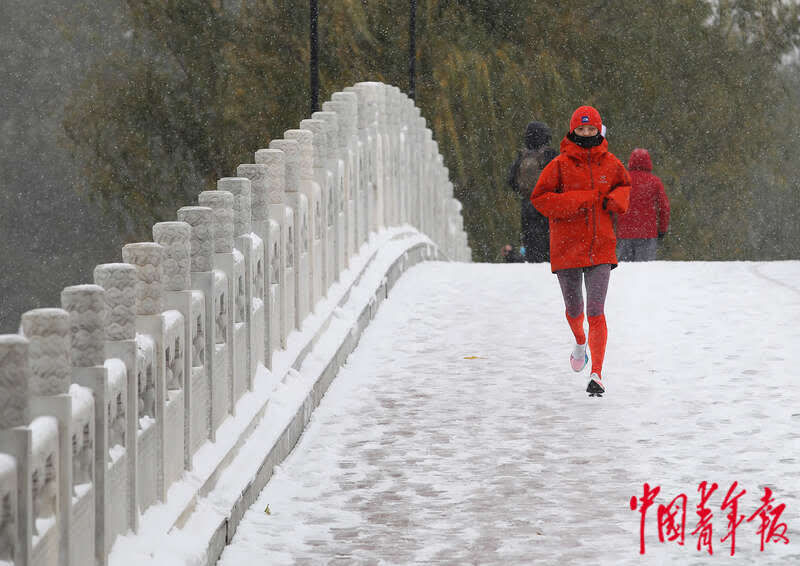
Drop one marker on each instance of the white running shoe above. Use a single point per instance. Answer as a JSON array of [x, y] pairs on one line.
[[595, 388], [579, 358]]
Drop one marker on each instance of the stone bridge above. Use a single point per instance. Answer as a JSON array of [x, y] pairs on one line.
[[133, 407]]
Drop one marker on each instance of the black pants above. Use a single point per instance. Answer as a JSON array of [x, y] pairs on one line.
[[535, 234]]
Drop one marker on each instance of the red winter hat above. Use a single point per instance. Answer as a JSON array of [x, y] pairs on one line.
[[585, 116]]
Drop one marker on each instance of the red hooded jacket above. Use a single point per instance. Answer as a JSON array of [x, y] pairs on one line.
[[648, 215], [578, 192]]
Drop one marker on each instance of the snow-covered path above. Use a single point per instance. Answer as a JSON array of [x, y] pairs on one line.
[[457, 434]]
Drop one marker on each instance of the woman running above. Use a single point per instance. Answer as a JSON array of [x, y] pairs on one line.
[[580, 191]]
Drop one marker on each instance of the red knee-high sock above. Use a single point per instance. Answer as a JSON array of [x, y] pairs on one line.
[[598, 335], [576, 324]]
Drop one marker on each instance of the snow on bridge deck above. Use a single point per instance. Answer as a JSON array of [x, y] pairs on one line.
[[420, 455]]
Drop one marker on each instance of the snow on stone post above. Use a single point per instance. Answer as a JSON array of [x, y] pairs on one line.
[[342, 171], [86, 305], [119, 282], [201, 246], [295, 256], [225, 267], [259, 212], [321, 189], [347, 109], [356, 158], [274, 163], [175, 238], [332, 197], [48, 331], [250, 247], [15, 437], [309, 243]]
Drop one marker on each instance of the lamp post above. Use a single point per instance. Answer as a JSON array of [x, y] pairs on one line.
[[314, 10], [412, 48]]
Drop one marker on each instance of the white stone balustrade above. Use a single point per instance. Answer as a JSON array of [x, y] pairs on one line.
[[105, 402]]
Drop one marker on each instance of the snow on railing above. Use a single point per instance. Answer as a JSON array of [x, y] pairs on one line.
[[106, 399]]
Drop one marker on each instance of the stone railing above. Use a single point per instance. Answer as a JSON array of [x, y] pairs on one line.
[[105, 401]]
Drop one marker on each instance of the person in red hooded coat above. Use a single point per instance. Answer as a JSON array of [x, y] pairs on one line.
[[647, 219], [580, 191]]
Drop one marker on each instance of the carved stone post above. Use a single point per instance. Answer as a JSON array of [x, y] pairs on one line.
[[51, 375], [86, 306], [225, 264], [201, 246], [341, 171], [15, 436], [295, 216], [147, 257], [119, 282], [175, 238], [257, 173], [366, 182], [274, 162], [308, 243], [368, 128], [349, 120], [321, 185], [249, 245], [332, 198]]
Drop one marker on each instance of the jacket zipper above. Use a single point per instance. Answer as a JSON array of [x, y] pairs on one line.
[[594, 208]]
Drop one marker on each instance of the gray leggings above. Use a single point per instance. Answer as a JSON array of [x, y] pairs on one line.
[[596, 278], [637, 249]]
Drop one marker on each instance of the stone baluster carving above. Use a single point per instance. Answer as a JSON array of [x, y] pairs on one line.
[[147, 257], [86, 305], [240, 188], [14, 381], [174, 238], [221, 202], [273, 162], [47, 330], [291, 162], [201, 239], [259, 190], [296, 241], [119, 281]]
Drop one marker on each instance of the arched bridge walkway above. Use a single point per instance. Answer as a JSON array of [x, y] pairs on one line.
[[457, 433]]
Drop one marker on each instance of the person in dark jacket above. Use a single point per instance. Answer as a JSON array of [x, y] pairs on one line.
[[509, 255], [647, 219], [522, 177]]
